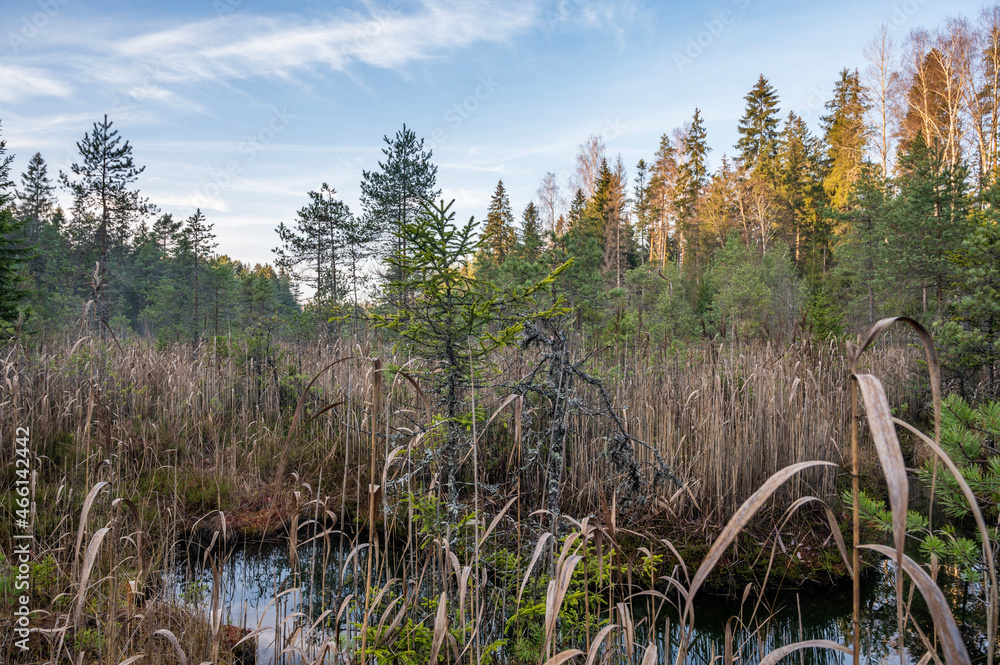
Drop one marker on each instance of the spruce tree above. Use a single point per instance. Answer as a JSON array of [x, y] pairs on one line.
[[576, 209], [928, 223], [454, 322], [845, 136], [691, 179], [861, 248], [594, 222], [969, 337], [14, 251], [800, 171], [758, 144], [531, 232], [36, 202], [499, 234]]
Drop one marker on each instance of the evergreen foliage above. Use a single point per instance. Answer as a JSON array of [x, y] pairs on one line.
[[531, 234], [36, 201], [846, 137], [104, 207], [392, 196], [499, 234], [758, 128], [14, 251], [454, 320]]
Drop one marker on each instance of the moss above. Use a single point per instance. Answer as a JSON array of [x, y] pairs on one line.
[[198, 492]]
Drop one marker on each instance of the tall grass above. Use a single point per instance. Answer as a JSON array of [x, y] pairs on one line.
[[140, 448]]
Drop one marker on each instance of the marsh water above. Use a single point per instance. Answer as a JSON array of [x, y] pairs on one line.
[[253, 576]]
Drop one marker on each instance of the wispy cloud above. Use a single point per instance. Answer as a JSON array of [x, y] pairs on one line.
[[244, 46], [20, 83]]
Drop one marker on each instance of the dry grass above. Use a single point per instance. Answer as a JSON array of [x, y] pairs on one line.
[[140, 448]]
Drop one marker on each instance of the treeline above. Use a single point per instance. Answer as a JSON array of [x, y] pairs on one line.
[[113, 265], [889, 208]]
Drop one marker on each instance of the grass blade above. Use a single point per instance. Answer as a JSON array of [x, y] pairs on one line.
[[776, 655], [163, 632]]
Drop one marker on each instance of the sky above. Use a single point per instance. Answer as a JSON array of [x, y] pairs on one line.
[[240, 107]]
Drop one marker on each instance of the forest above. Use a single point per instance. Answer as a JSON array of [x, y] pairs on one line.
[[531, 437]]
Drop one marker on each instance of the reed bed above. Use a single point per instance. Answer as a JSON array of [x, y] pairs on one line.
[[140, 448], [723, 418]]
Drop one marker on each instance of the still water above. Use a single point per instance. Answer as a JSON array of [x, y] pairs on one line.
[[262, 589]]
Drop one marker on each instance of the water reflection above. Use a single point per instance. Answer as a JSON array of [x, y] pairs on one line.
[[260, 586]]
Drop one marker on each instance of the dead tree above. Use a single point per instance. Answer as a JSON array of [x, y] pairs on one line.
[[560, 375]]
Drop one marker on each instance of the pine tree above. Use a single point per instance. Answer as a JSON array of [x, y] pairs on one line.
[[499, 234], [165, 233], [14, 251], [359, 237], [198, 243], [313, 251], [103, 203], [302, 252], [392, 195], [618, 240], [662, 210], [717, 208], [221, 283], [642, 208], [845, 137], [758, 144], [36, 202]]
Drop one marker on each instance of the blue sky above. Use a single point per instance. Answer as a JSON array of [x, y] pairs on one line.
[[242, 106]]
